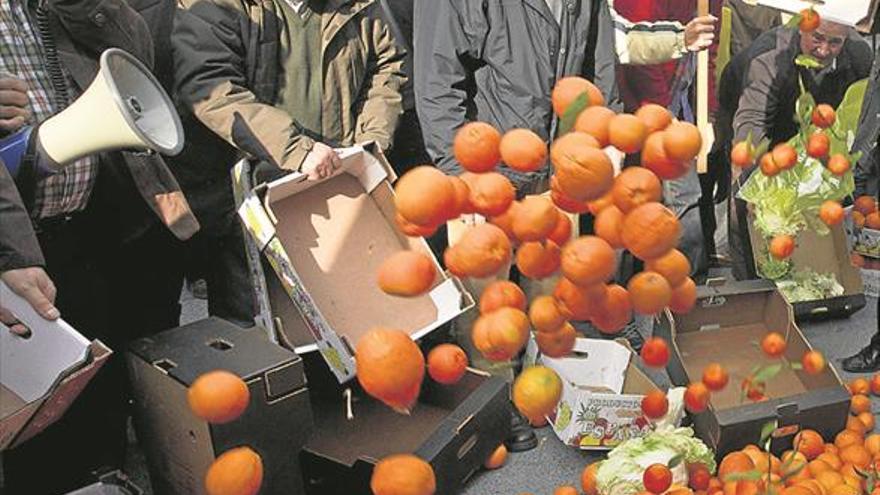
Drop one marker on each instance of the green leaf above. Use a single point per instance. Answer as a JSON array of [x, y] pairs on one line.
[[574, 109], [675, 461], [790, 474], [808, 61], [767, 373], [796, 366], [768, 430], [794, 22], [762, 147], [753, 475]]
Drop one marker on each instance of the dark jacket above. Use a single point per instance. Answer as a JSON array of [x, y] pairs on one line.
[[18, 243], [748, 22], [867, 170], [759, 87], [498, 60], [83, 29]]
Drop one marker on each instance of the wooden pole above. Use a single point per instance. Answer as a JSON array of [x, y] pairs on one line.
[[703, 98]]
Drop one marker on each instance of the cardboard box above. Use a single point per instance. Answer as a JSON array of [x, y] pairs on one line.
[[112, 483], [726, 327], [325, 241], [824, 254], [864, 241], [859, 14], [454, 428], [871, 279], [602, 391], [42, 374], [179, 446]]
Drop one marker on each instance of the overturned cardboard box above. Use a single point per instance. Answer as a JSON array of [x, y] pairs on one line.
[[41, 374], [325, 241], [824, 255], [726, 327], [602, 391]]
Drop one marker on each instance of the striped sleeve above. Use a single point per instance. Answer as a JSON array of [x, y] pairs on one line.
[[642, 43]]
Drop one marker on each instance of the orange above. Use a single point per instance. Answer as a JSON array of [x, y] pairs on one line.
[[715, 377], [237, 471], [768, 166], [838, 164], [784, 156], [818, 145], [657, 478], [859, 403], [403, 474], [565, 490], [741, 487], [650, 231], [534, 219], [823, 115], [655, 117], [634, 187], [588, 479], [682, 141], [684, 297], [847, 438], [782, 246], [858, 261], [649, 292], [699, 477], [504, 221], [597, 205], [476, 147], [813, 362], [655, 352], [576, 302], [853, 423], [831, 213], [809, 21], [545, 314], [584, 172], [447, 363], [627, 133], [674, 266], [424, 196], [218, 397], [491, 194], [809, 443], [814, 486], [872, 443], [844, 490], [482, 251], [816, 466], [588, 260], [407, 274], [462, 197], [563, 202], [773, 344], [742, 155], [872, 221], [500, 335], [614, 311], [502, 293], [523, 150], [655, 159], [562, 231], [831, 448], [794, 462], [569, 89], [696, 397], [594, 121], [735, 462], [831, 459], [865, 205], [497, 458], [557, 344], [536, 392], [655, 404], [538, 260], [413, 230], [390, 367], [856, 454], [829, 479], [607, 225]]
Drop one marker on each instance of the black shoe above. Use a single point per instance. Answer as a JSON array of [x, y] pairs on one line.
[[522, 437], [865, 361]]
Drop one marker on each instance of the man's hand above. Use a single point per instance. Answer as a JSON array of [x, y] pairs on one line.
[[699, 33], [321, 162], [13, 104], [36, 288]]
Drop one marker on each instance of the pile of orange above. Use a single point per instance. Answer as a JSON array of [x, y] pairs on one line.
[[554, 335], [865, 213]]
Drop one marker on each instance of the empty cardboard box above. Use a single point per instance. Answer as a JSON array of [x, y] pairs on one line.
[[602, 391], [42, 374], [179, 446], [454, 428], [325, 240], [726, 327], [112, 483], [823, 254]]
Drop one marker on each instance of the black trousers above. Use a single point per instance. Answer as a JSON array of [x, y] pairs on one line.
[[114, 293]]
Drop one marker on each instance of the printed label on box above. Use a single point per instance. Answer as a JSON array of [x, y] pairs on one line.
[[599, 421]]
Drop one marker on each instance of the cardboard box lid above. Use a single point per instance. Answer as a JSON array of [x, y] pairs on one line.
[[325, 240], [186, 352], [42, 374]]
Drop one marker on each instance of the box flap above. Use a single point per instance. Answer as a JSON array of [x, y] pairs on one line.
[[853, 13], [595, 365]]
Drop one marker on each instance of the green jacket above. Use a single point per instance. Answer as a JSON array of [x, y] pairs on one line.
[[226, 56]]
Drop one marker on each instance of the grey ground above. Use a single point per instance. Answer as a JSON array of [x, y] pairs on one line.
[[551, 464]]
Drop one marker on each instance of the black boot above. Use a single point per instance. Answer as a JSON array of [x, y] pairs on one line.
[[865, 361], [522, 436]]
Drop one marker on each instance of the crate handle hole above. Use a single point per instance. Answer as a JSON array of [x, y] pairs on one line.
[[220, 345], [165, 365], [467, 446]]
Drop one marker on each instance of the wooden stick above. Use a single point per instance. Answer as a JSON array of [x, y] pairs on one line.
[[703, 98]]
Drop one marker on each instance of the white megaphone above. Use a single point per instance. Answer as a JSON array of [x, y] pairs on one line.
[[125, 108]]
